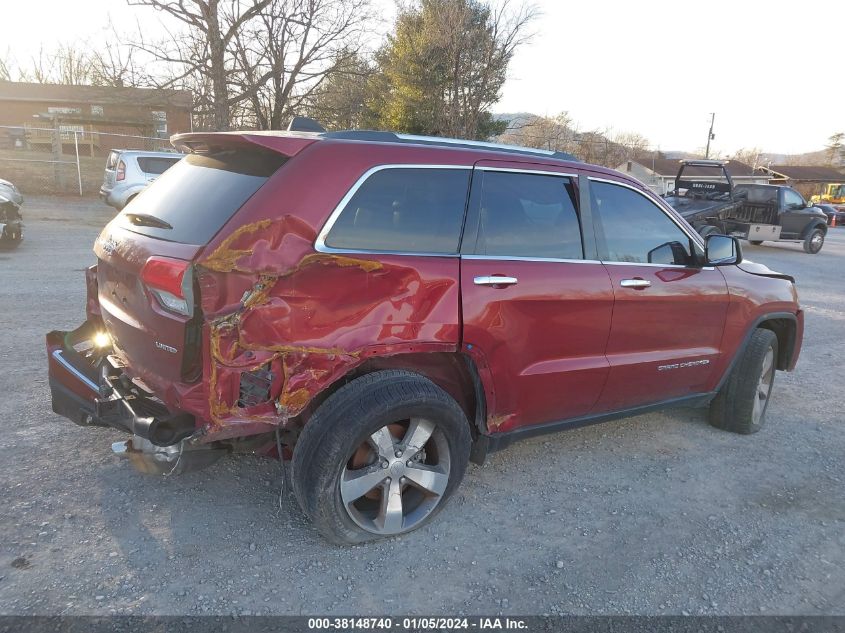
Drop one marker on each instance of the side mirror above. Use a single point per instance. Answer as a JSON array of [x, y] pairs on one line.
[[722, 250]]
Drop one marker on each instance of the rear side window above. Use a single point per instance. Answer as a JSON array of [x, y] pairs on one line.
[[631, 228], [528, 215], [757, 194], [155, 164], [406, 210], [199, 194]]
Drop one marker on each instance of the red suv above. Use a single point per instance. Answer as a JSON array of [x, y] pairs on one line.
[[389, 307]]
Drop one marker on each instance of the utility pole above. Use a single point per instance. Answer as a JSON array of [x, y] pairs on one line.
[[710, 135]]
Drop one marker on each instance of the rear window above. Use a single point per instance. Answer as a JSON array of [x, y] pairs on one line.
[[199, 194], [407, 210], [156, 165], [757, 194]]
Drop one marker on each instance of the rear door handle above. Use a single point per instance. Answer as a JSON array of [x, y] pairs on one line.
[[638, 284], [494, 280]]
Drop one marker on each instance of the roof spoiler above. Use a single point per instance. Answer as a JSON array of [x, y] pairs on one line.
[[288, 144]]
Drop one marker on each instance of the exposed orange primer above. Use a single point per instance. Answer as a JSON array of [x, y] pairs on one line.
[[299, 349], [294, 397], [495, 421], [224, 259], [367, 265], [261, 292], [297, 400], [293, 402]]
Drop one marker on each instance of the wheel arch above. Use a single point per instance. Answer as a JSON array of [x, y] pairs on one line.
[[817, 223], [454, 372], [785, 327]]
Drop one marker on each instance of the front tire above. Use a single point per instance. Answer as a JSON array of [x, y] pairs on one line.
[[380, 457], [814, 241], [741, 404], [755, 242]]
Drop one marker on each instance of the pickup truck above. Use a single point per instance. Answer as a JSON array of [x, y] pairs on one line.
[[753, 212]]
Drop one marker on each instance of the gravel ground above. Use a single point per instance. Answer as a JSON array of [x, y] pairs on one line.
[[658, 514]]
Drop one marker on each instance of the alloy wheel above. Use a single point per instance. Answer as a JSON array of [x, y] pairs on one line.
[[396, 477]]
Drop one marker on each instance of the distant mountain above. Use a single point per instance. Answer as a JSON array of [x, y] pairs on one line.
[[820, 157], [518, 120]]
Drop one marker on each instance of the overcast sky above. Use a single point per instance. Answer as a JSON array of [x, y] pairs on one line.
[[769, 70]]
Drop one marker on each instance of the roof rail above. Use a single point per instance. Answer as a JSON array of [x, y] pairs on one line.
[[392, 137]]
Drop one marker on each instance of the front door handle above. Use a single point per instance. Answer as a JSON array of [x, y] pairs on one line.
[[638, 284], [494, 280]]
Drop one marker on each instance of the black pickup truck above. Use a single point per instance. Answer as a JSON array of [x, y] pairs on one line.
[[711, 202]]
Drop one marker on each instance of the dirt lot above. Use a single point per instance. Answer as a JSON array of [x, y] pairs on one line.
[[655, 514]]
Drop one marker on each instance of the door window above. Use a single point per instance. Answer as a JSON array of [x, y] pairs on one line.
[[404, 210], [792, 200], [631, 228], [528, 215]]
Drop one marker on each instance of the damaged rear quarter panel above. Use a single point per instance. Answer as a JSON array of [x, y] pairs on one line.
[[270, 299]]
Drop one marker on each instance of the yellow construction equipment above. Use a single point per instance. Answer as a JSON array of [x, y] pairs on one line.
[[834, 193]]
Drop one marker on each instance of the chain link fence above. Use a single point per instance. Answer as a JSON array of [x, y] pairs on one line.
[[63, 160]]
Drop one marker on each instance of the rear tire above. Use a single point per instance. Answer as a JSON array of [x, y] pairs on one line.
[[814, 241], [755, 242], [380, 457], [708, 229], [741, 404]]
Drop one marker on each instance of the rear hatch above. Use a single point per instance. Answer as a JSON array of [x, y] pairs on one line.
[[146, 282]]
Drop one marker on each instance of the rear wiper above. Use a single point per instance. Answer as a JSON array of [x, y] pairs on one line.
[[145, 219]]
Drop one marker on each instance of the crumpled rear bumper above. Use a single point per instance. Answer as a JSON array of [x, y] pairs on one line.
[[74, 381], [90, 388]]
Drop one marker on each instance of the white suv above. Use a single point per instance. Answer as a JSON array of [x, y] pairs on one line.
[[128, 172]]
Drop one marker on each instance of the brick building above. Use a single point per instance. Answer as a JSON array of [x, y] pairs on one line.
[[99, 113]]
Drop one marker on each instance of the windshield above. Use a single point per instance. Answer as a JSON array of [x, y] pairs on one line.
[[192, 200]]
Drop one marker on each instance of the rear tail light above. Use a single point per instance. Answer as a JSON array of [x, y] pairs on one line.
[[171, 282], [121, 171]]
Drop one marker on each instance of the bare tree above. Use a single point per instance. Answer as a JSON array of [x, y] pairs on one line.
[[254, 62], [116, 63], [291, 47], [212, 26], [555, 133], [749, 156], [7, 66], [835, 149], [68, 64], [629, 145]]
